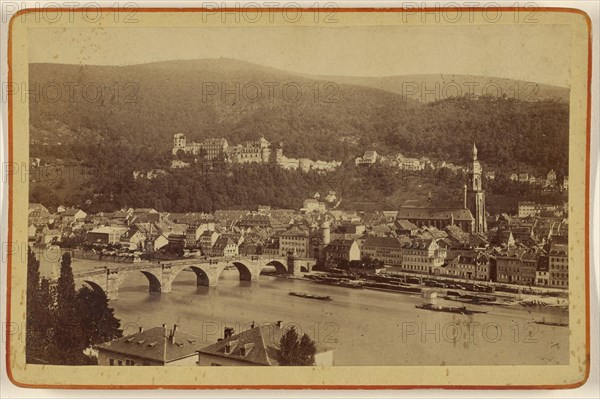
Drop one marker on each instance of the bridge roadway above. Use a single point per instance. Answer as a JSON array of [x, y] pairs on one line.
[[161, 274]]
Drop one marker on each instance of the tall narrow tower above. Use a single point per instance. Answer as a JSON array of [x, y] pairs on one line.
[[475, 196]]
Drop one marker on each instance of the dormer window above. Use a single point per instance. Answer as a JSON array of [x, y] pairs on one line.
[[245, 349], [229, 347]]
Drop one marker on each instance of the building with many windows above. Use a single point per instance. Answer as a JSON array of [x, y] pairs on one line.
[[368, 159], [250, 152], [558, 265], [522, 266], [341, 252], [423, 256], [294, 241], [385, 249], [208, 149]]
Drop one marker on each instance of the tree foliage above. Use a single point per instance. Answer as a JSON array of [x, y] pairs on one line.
[[39, 315], [68, 333], [62, 322], [98, 320], [295, 350]]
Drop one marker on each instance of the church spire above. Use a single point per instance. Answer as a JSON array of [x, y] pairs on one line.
[[474, 152]]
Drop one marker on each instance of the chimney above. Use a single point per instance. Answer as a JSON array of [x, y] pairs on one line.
[[279, 323], [172, 337], [141, 329], [227, 332]]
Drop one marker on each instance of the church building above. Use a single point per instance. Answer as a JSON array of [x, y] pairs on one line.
[[470, 217]]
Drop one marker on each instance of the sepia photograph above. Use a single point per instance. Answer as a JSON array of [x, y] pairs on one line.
[[323, 189]]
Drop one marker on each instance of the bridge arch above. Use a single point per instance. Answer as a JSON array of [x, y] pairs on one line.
[[153, 281], [201, 276], [280, 268], [245, 273], [95, 286]]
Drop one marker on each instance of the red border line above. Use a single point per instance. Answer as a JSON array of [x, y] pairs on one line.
[[336, 387]]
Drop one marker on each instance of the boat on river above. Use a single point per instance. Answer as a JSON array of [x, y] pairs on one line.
[[552, 323], [448, 309], [311, 296]]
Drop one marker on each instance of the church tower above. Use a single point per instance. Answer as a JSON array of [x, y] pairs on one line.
[[474, 195]]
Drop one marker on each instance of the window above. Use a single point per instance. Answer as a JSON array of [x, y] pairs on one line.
[[111, 362], [120, 362]]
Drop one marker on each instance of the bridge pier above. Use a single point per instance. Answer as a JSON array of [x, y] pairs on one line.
[[112, 284], [295, 265], [167, 279]]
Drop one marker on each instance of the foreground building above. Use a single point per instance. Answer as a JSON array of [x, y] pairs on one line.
[[257, 346], [154, 347]]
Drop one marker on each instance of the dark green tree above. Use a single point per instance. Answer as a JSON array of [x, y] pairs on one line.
[[68, 334], [98, 321], [38, 314], [296, 351]]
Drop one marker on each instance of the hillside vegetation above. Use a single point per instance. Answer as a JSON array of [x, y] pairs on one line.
[[124, 117]]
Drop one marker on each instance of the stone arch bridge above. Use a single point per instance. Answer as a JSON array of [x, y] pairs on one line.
[[161, 274]]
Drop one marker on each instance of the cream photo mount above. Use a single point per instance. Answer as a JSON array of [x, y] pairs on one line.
[[570, 375]]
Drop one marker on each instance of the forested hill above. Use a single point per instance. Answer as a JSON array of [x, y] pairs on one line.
[[430, 87], [319, 118]]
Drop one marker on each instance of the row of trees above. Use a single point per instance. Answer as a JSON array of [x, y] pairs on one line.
[[246, 186], [63, 322]]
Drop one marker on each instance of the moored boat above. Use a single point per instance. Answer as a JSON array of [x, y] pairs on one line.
[[311, 296], [448, 309], [552, 323]]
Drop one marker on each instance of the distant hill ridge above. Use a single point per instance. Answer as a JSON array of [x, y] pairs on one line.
[[320, 117]]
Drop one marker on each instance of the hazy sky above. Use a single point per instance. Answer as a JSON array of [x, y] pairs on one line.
[[538, 53]]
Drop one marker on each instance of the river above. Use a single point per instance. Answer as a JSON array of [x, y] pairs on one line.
[[362, 326]]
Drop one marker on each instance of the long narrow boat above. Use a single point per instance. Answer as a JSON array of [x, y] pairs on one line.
[[552, 323], [448, 309], [311, 296]]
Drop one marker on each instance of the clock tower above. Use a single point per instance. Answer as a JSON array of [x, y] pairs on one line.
[[474, 195]]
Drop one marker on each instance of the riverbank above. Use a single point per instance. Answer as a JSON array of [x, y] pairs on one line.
[[398, 284]]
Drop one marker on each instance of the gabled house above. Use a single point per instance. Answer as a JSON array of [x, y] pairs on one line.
[[257, 346], [71, 215], [424, 255], [154, 347], [133, 238], [340, 252], [225, 246]]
